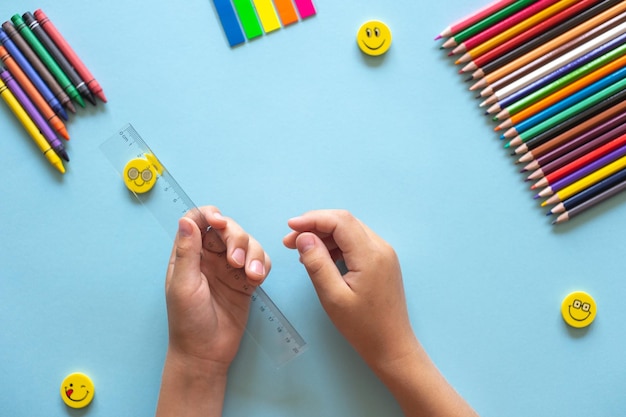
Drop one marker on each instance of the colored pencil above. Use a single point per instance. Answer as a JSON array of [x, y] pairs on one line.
[[596, 172], [499, 81], [605, 195], [534, 103], [467, 21], [606, 46], [532, 32], [486, 23], [577, 108], [565, 103], [548, 41], [573, 142], [580, 162], [598, 188], [504, 26]]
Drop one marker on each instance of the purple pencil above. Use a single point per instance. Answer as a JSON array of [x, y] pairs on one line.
[[34, 114], [578, 152], [582, 172]]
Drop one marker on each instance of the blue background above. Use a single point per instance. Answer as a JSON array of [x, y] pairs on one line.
[[297, 120]]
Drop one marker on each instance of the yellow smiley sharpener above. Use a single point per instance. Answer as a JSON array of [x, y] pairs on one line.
[[140, 174]]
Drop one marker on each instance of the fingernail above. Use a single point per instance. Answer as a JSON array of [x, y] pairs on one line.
[[184, 228], [239, 256], [257, 267], [305, 243]]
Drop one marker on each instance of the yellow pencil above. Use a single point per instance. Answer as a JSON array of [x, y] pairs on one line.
[[587, 181], [30, 127]]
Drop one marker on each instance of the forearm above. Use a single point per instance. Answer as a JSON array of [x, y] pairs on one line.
[[189, 389], [419, 387]]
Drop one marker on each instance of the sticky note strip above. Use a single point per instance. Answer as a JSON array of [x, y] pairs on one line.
[[286, 11], [248, 19], [267, 14], [305, 8], [229, 22]]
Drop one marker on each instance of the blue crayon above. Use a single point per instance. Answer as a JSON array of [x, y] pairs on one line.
[[34, 77]]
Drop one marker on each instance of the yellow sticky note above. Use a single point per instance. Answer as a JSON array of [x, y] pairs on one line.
[[267, 15]]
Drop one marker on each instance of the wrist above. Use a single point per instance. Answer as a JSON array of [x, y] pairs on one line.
[[191, 387]]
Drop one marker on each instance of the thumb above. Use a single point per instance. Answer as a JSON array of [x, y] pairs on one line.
[[187, 252], [323, 272]]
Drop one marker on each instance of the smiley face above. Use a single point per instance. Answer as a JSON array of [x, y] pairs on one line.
[[139, 175], [578, 309], [77, 390], [374, 38]]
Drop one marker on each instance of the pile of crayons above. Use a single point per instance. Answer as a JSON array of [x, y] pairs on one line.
[[552, 73], [40, 77]]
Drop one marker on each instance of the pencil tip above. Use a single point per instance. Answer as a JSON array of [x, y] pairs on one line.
[[495, 118], [513, 154], [469, 79], [508, 145], [536, 197], [497, 128], [438, 37], [549, 214], [450, 53], [532, 187]]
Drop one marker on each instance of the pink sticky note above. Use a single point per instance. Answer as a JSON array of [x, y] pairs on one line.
[[305, 8]]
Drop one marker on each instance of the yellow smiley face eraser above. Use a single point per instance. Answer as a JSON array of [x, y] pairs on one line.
[[77, 390], [374, 38], [578, 309]]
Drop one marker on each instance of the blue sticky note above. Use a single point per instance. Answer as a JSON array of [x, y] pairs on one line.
[[227, 16]]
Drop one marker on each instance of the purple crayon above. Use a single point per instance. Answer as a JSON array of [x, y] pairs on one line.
[[34, 114]]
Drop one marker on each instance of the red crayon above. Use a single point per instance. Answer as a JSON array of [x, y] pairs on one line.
[[69, 53]]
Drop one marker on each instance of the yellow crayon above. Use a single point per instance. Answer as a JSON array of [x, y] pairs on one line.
[[30, 126], [588, 181]]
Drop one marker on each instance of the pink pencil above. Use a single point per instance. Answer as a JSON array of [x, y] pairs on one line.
[[474, 18], [503, 25], [71, 56]]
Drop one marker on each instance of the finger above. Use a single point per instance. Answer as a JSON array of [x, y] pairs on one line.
[[186, 254], [346, 230], [258, 263], [321, 268]]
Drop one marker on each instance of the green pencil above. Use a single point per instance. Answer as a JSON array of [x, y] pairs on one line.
[[565, 80], [486, 22], [566, 114], [47, 59]]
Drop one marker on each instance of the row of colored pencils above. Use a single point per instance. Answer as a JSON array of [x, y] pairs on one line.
[[40, 77], [552, 73]]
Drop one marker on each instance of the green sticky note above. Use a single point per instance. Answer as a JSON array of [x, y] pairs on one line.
[[248, 18]]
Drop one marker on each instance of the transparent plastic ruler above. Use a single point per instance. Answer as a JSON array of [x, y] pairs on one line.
[[167, 202]]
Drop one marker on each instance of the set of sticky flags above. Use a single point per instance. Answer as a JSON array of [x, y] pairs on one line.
[[249, 19]]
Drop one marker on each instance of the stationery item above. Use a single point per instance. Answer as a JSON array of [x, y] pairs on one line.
[[58, 57], [267, 15], [34, 115], [71, 56], [228, 18], [565, 114], [247, 18], [533, 32], [47, 59], [554, 92], [595, 200], [547, 42], [574, 138], [33, 93], [585, 195], [286, 12], [30, 127], [566, 103], [38, 66], [505, 30], [579, 163], [476, 17], [571, 123], [486, 23], [305, 8], [586, 177], [601, 50], [167, 202]]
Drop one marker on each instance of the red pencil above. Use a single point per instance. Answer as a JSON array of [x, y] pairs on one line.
[[581, 162], [71, 56], [533, 33], [502, 26], [474, 18]]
